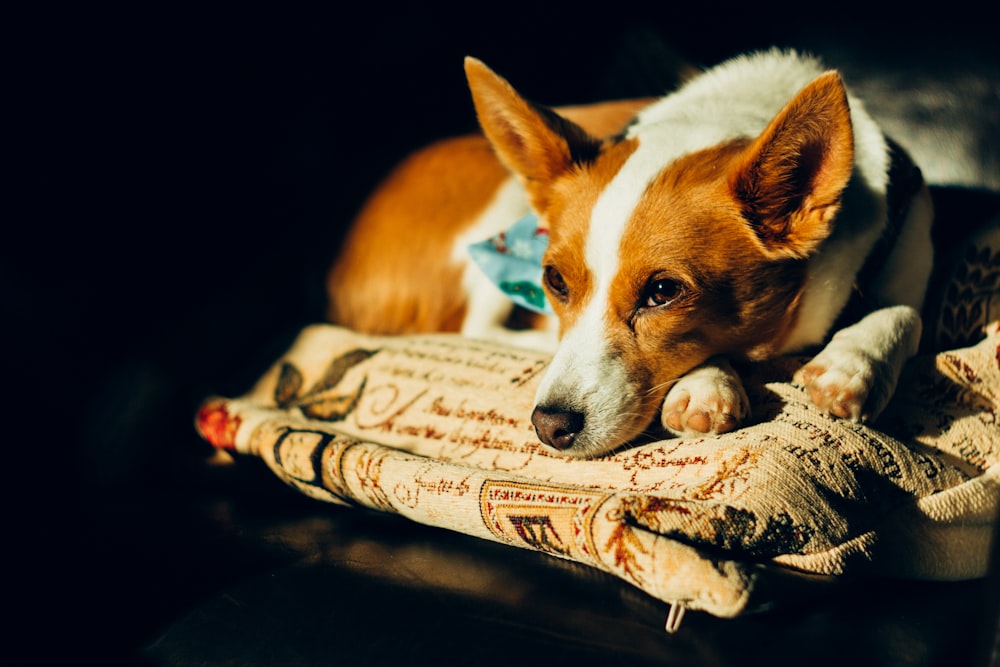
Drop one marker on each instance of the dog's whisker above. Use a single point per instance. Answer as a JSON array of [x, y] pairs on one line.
[[662, 385]]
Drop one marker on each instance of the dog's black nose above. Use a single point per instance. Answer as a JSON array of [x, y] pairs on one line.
[[556, 427]]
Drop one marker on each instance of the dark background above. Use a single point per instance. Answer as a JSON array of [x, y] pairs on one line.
[[179, 183]]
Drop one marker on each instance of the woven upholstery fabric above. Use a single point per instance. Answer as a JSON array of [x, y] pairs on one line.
[[437, 429]]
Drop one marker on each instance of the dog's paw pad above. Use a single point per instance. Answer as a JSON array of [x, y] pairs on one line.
[[673, 415], [699, 421], [705, 404]]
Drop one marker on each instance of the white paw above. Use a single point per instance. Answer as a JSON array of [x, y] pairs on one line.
[[709, 400], [855, 375], [839, 386], [848, 382]]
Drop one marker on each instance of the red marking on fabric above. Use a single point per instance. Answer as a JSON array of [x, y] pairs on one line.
[[217, 426]]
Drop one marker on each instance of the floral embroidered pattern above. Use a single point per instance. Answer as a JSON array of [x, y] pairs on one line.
[[319, 402]]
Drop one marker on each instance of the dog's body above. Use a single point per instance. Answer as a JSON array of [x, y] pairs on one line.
[[732, 219]]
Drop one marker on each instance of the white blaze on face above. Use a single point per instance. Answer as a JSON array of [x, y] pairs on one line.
[[586, 375]]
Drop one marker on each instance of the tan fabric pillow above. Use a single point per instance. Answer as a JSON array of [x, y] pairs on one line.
[[436, 428]]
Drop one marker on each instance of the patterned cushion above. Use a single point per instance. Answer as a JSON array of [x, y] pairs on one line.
[[436, 428]]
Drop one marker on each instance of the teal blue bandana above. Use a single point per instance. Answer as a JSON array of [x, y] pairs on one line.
[[513, 261]]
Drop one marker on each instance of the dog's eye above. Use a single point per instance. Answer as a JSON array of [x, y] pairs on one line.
[[660, 292], [555, 282]]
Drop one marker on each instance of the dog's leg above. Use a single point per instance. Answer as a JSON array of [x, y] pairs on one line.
[[709, 399], [855, 375]]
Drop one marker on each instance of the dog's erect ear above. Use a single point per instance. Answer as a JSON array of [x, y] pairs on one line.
[[790, 179], [534, 142]]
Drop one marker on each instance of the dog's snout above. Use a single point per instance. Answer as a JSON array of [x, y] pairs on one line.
[[556, 427]]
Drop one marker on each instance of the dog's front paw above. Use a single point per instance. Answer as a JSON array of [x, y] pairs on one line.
[[838, 386], [709, 400], [848, 382], [855, 375]]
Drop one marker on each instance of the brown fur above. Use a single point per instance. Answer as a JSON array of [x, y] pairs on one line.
[[399, 244], [791, 178], [735, 300], [394, 274], [742, 282]]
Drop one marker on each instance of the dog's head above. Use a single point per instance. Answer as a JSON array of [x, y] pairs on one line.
[[660, 259]]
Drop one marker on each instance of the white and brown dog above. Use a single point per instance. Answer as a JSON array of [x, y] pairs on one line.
[[756, 211]]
